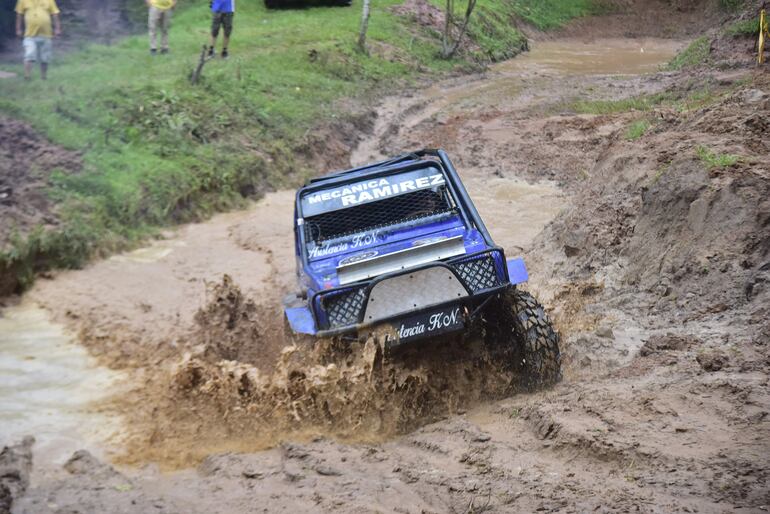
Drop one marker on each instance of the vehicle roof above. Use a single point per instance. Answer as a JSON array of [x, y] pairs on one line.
[[338, 177]]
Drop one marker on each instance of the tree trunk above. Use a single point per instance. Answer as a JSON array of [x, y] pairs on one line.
[[364, 26], [445, 42], [447, 52]]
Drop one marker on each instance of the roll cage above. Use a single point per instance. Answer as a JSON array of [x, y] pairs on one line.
[[403, 163]]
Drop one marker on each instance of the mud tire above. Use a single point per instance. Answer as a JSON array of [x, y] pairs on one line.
[[520, 327]]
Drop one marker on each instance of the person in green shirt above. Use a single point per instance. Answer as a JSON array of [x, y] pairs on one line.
[[159, 18], [35, 16]]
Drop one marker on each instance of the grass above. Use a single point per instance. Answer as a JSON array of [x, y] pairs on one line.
[[714, 160], [662, 170], [693, 99], [490, 28], [552, 14], [743, 28], [638, 103], [697, 99], [637, 129], [731, 5], [695, 54]]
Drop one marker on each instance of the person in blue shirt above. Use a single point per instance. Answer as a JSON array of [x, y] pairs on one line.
[[222, 12]]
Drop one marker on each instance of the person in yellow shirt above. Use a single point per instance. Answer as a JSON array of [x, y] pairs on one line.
[[159, 18], [35, 17]]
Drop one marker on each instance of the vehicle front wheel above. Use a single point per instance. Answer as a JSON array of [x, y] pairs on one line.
[[519, 325]]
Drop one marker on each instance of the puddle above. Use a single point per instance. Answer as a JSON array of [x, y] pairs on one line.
[[549, 61], [600, 57], [47, 384]]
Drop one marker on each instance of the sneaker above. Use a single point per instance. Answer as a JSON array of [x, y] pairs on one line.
[[153, 51], [225, 55], [164, 50], [211, 52]]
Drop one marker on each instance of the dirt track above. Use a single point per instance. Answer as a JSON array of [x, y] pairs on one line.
[[665, 401]]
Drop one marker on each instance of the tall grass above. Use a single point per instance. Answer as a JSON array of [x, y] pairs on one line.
[[551, 14]]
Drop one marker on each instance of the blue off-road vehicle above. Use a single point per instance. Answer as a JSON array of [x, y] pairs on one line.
[[396, 250]]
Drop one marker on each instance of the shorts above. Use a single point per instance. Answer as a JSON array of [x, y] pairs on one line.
[[37, 48], [224, 20]]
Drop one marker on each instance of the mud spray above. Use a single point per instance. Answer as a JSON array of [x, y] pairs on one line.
[[247, 384]]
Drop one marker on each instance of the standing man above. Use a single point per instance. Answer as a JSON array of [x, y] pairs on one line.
[[159, 18], [222, 12], [36, 16]]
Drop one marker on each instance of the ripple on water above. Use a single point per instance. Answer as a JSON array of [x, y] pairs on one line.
[[47, 386]]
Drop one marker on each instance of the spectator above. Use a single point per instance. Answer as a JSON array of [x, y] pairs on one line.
[[159, 18], [36, 17], [222, 12]]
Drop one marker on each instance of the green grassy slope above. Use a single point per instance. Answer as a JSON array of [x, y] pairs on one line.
[[158, 150]]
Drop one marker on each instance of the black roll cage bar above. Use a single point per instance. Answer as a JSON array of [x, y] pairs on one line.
[[405, 162]]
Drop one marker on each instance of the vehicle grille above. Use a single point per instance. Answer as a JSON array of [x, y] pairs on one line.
[[479, 273], [343, 308], [382, 213]]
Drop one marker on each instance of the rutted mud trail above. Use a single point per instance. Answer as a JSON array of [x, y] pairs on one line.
[[665, 401]]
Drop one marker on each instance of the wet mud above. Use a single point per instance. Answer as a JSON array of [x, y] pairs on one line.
[[245, 384], [27, 159]]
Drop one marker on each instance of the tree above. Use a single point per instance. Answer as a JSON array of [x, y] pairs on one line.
[[448, 49], [364, 26]]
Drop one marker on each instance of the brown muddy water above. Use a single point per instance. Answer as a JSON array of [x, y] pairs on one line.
[[553, 61], [47, 385], [599, 57]]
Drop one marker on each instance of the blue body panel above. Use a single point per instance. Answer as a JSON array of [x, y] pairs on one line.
[[301, 320], [317, 264], [517, 271], [323, 261]]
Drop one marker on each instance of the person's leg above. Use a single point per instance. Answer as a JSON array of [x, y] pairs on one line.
[[228, 26], [44, 50], [228, 29], [30, 56], [152, 26], [165, 24], [216, 22]]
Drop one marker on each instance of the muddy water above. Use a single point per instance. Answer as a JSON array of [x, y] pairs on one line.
[[600, 57], [149, 254], [513, 210], [47, 384]]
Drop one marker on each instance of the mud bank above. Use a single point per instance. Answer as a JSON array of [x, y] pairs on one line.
[[27, 160]]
